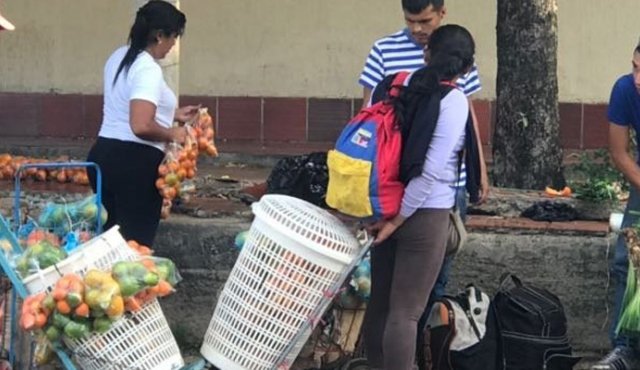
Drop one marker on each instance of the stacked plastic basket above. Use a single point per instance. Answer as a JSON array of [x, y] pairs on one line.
[[141, 341], [294, 254]]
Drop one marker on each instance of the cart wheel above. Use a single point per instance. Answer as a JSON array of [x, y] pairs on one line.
[[356, 364]]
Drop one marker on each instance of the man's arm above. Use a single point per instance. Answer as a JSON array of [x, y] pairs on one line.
[[619, 150], [372, 73], [484, 176], [366, 96]]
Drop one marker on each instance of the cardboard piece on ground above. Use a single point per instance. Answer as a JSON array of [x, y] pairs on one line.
[[350, 326]]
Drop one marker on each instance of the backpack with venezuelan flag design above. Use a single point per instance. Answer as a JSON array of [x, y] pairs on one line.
[[364, 167]]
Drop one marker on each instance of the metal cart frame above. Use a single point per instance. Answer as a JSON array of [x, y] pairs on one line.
[[19, 289]]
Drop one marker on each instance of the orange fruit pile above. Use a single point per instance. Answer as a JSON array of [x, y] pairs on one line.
[[9, 167]]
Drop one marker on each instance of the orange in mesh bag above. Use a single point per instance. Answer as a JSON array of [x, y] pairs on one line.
[[180, 163], [176, 171], [204, 132]]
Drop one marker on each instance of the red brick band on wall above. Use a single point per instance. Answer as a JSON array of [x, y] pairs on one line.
[[263, 120]]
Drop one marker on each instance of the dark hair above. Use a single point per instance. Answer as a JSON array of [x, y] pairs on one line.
[[155, 17], [451, 49], [417, 6], [638, 47]]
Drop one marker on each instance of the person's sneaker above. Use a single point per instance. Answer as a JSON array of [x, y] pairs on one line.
[[620, 358]]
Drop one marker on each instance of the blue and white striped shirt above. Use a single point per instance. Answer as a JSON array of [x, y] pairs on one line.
[[399, 52]]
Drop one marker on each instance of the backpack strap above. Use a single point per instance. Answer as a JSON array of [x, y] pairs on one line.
[[440, 354], [463, 300], [478, 292], [397, 84], [383, 90]]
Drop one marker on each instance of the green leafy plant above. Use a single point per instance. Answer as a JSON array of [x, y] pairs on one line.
[[598, 180], [629, 322]]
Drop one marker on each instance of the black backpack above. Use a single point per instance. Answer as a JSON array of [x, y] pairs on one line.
[[533, 327], [462, 333], [303, 176]]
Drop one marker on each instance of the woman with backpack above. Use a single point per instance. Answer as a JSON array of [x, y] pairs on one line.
[[433, 116]]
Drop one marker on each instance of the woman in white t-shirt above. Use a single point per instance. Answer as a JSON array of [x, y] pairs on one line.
[[139, 111]]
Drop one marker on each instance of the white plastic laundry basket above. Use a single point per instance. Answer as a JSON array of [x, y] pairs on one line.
[[140, 341], [293, 254]]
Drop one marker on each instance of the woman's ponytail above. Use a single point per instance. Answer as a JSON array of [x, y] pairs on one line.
[[137, 43], [451, 50]]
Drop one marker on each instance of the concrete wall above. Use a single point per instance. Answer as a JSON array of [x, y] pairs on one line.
[[572, 266], [292, 48]]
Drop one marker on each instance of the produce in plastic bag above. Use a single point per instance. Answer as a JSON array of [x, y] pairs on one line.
[[37, 257], [204, 132], [176, 172], [168, 277], [43, 351], [68, 295], [33, 315], [65, 325], [178, 166], [38, 235], [65, 217], [166, 269], [240, 239], [102, 294], [133, 277]]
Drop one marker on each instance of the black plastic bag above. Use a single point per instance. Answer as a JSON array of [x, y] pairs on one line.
[[303, 176], [550, 211]]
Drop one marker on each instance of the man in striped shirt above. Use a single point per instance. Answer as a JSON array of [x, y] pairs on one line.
[[404, 51]]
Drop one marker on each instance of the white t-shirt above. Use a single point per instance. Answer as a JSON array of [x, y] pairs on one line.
[[143, 81]]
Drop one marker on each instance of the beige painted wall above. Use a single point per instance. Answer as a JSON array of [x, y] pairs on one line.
[[290, 47]]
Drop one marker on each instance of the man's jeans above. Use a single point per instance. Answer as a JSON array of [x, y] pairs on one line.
[[443, 277], [619, 268]]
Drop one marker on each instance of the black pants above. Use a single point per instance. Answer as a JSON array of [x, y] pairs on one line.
[[129, 171]]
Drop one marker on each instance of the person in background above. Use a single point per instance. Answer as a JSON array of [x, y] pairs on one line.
[[139, 112], [624, 116], [410, 248], [404, 51]]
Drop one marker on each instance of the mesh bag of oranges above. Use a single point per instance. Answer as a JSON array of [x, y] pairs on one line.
[[204, 133], [175, 172], [179, 167]]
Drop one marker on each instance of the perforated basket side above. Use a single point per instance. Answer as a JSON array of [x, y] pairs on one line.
[[142, 340], [267, 300]]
